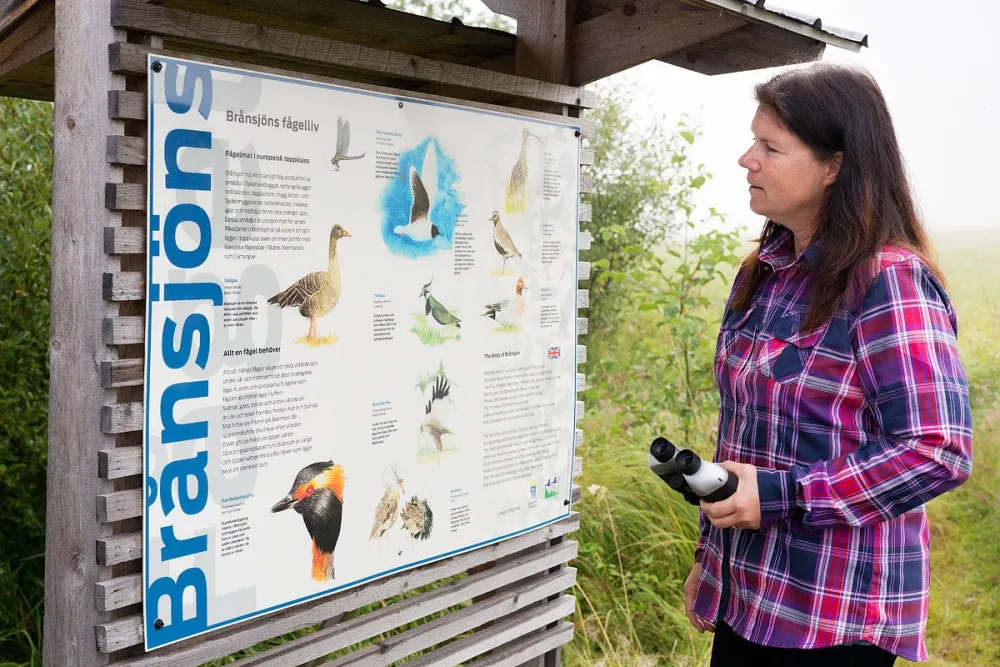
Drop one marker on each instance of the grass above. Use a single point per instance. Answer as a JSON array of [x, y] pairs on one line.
[[433, 335]]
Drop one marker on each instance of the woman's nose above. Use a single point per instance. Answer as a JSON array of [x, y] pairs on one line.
[[747, 162]]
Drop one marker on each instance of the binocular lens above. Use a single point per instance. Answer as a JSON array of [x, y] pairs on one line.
[[662, 449]]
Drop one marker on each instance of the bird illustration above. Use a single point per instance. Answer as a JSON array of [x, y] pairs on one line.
[[432, 425], [385, 511], [502, 312], [316, 293], [502, 241], [516, 200], [494, 309], [417, 518], [519, 290], [343, 144], [436, 309], [318, 495], [421, 227]]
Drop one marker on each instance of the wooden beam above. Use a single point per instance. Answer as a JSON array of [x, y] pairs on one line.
[[641, 31], [29, 42], [543, 34]]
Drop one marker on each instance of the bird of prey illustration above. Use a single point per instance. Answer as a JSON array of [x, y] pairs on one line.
[[432, 425], [423, 193], [436, 309], [317, 293], [388, 506], [502, 241], [516, 200], [343, 144], [318, 495], [417, 518]]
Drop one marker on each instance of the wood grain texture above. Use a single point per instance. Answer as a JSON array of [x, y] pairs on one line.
[[119, 462], [229, 640], [543, 36], [125, 196], [586, 184], [126, 105], [31, 40], [586, 211], [121, 548], [125, 240], [583, 271], [119, 505], [123, 330], [121, 373], [127, 150], [582, 299], [118, 592], [124, 286], [119, 633], [262, 38], [516, 653], [121, 418], [586, 156], [80, 170]]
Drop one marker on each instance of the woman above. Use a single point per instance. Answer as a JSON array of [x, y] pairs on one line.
[[844, 406]]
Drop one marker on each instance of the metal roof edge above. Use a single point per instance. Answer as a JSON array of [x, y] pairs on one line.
[[797, 22]]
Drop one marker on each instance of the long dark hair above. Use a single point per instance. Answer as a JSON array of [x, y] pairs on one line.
[[835, 108]]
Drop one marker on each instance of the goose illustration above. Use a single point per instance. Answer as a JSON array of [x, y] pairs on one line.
[[434, 410], [343, 144], [317, 293], [502, 241], [421, 227], [436, 309], [516, 200]]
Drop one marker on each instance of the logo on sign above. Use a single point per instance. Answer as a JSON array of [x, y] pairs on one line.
[[554, 352]]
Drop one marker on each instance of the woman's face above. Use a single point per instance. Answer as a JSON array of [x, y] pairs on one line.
[[787, 181]]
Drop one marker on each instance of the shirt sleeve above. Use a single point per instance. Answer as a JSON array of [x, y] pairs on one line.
[[906, 351]]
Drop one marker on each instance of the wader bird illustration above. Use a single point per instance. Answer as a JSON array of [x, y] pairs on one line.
[[343, 144], [318, 495], [436, 309], [517, 192], [502, 312], [317, 293], [502, 241], [417, 518], [421, 227], [385, 511], [432, 425]]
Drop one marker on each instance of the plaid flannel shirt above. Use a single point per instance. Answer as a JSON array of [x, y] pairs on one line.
[[853, 427]]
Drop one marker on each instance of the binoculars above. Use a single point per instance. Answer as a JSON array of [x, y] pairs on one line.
[[686, 473]]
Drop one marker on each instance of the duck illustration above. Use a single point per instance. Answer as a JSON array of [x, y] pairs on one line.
[[516, 200], [317, 293], [343, 144], [385, 511], [417, 518], [436, 309], [421, 227], [318, 495], [502, 241], [432, 425]]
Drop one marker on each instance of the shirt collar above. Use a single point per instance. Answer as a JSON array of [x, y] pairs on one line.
[[779, 250]]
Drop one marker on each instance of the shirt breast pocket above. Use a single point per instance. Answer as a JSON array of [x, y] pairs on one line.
[[785, 351]]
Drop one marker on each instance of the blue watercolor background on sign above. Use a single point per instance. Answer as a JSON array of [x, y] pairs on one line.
[[445, 209]]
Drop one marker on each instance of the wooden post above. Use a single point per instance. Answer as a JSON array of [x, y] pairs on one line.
[[76, 349]]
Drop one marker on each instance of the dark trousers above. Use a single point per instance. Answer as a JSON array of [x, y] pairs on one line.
[[731, 650]]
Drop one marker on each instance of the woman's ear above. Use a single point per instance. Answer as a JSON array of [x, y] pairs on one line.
[[833, 168]]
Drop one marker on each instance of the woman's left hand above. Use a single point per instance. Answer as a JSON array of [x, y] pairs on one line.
[[742, 509]]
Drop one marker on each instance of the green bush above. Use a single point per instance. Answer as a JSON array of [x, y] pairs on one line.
[[25, 217]]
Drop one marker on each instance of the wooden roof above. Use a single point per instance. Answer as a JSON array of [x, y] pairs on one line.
[[607, 36]]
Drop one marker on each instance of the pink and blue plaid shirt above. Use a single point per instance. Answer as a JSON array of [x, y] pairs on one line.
[[853, 427]]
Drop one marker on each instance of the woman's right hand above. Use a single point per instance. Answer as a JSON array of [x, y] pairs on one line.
[[690, 590]]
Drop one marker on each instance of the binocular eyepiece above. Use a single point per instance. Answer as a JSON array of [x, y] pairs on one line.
[[686, 473]]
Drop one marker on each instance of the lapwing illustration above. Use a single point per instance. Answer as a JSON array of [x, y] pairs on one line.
[[417, 518], [423, 192], [436, 309], [317, 293], [343, 144], [516, 200], [318, 495], [502, 241], [388, 506], [432, 425]]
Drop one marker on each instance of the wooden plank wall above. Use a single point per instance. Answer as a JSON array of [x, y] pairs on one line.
[[517, 588]]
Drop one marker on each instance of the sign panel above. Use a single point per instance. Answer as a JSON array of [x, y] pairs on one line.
[[361, 338]]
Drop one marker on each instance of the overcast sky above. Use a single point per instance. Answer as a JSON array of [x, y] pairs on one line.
[[937, 64]]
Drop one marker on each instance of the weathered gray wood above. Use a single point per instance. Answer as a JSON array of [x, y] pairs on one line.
[[641, 31], [583, 240], [579, 410], [582, 326], [29, 42], [581, 382], [577, 466], [543, 31], [125, 196], [579, 438], [265, 39], [119, 462], [583, 270], [121, 418], [576, 494], [582, 298], [80, 130], [581, 354], [124, 286], [532, 568], [121, 373], [125, 240], [118, 592], [527, 647], [123, 330], [126, 105], [229, 640], [586, 211], [499, 633], [126, 150], [586, 183], [119, 505], [118, 634], [586, 156], [121, 548]]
